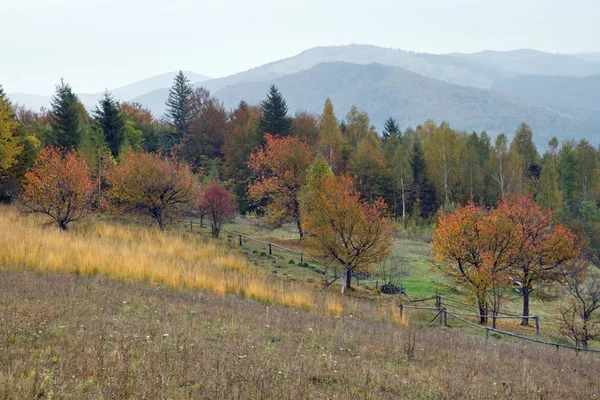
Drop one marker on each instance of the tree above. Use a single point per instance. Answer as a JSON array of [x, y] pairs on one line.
[[581, 324], [151, 184], [369, 167], [10, 148], [402, 176], [111, 122], [345, 229], [548, 194], [242, 137], [142, 120], [306, 126], [59, 185], [219, 203], [178, 108], [280, 169], [442, 154], [207, 129], [274, 114], [357, 126], [331, 141], [523, 145], [390, 129], [588, 171], [505, 167], [542, 246], [66, 117], [424, 196]]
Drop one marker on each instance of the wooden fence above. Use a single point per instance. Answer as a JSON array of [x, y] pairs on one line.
[[442, 304]]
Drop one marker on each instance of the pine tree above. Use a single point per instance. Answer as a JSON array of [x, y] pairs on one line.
[[111, 121], [178, 109], [274, 118], [391, 129], [424, 191], [65, 117]]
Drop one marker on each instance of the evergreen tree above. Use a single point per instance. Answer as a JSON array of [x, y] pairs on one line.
[[390, 129], [567, 170], [178, 111], [111, 121], [423, 190], [65, 117], [274, 118]]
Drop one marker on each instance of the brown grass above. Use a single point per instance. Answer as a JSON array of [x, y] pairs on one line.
[[68, 336]]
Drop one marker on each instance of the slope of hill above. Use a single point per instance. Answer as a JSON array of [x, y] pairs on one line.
[[555, 91], [533, 62], [388, 91], [593, 57]]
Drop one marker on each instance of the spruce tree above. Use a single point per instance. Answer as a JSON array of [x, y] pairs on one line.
[[65, 117], [274, 118], [391, 129], [424, 190], [178, 111], [111, 121]]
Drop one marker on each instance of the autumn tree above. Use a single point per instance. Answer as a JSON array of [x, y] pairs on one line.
[[523, 145], [178, 107], [369, 167], [10, 148], [543, 246], [331, 141], [219, 204], [59, 185], [274, 114], [67, 117], [579, 312], [398, 158], [142, 119], [505, 167], [548, 192], [442, 154], [306, 127], [342, 228], [280, 169], [161, 187]]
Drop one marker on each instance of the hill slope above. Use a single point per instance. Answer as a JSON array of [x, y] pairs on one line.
[[388, 91], [554, 91]]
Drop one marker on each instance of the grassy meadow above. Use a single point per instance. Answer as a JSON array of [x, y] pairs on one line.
[[118, 309]]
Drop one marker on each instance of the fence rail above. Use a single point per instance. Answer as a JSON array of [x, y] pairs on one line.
[[443, 312]]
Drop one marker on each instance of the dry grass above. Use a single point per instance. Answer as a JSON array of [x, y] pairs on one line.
[[334, 305], [72, 336], [133, 253]]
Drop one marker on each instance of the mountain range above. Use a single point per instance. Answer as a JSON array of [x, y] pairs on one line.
[[557, 94]]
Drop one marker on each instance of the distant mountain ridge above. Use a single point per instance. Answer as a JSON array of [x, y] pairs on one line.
[[385, 91]]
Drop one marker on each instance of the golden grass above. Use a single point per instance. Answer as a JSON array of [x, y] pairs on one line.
[[132, 253], [334, 305]]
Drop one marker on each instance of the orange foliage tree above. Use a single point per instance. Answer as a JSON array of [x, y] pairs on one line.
[[280, 167], [59, 185], [219, 203], [342, 228], [152, 184], [542, 246]]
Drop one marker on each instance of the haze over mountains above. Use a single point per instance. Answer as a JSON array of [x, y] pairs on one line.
[[557, 94]]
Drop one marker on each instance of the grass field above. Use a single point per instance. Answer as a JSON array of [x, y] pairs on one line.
[[67, 336], [115, 309]]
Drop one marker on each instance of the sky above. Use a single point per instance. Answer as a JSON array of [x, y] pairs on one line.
[[99, 44]]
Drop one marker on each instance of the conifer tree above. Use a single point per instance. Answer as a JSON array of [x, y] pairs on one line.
[[390, 129], [111, 121], [65, 117], [178, 112], [274, 118], [424, 190]]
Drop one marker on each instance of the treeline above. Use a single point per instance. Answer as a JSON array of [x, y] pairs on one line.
[[417, 171]]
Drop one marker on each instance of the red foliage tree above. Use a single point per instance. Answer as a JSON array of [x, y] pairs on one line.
[[59, 185], [280, 166], [219, 203]]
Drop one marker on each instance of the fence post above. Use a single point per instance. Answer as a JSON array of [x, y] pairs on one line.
[[487, 333], [191, 226], [401, 311], [494, 321], [270, 250], [445, 318], [301, 258], [537, 325], [240, 237]]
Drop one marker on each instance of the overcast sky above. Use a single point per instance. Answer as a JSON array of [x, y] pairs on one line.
[[96, 44]]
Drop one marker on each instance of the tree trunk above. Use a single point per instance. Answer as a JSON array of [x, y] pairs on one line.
[[62, 225], [159, 220], [482, 312], [299, 225], [525, 321], [347, 282]]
